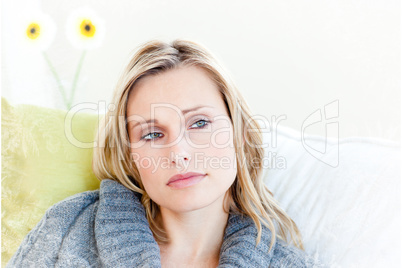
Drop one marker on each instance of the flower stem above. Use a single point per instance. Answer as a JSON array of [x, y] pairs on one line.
[[61, 88], [74, 86]]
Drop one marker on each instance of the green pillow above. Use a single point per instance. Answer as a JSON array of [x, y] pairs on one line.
[[40, 166]]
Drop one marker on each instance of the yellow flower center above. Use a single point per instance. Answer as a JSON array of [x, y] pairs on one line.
[[87, 28], [33, 30]]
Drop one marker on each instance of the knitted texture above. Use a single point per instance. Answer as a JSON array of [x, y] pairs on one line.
[[108, 228]]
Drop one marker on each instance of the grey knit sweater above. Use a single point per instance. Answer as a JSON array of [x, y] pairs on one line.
[[108, 228]]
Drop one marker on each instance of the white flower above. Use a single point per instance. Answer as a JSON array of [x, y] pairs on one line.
[[36, 30], [85, 29]]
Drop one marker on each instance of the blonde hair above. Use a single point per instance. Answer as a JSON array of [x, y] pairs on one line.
[[248, 195]]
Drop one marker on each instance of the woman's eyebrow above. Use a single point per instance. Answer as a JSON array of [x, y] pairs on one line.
[[195, 109], [186, 111]]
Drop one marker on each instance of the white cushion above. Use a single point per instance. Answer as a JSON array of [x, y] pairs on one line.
[[348, 211]]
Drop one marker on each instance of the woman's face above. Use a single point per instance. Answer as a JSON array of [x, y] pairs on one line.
[[191, 132]]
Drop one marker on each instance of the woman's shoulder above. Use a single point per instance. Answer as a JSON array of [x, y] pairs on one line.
[[240, 247], [72, 206], [110, 194], [80, 201], [287, 255], [40, 247]]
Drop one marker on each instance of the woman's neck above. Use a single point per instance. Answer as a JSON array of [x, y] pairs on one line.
[[195, 236]]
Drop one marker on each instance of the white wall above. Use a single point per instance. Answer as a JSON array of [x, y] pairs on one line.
[[288, 57]]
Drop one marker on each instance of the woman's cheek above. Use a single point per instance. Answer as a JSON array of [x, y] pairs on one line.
[[222, 137], [199, 139], [218, 135], [147, 173], [143, 161]]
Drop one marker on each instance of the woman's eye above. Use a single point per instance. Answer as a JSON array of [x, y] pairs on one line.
[[156, 135], [201, 123], [151, 135]]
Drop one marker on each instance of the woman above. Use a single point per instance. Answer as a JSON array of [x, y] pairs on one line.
[[180, 178]]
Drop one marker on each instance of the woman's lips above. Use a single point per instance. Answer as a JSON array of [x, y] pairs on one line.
[[186, 182], [181, 176]]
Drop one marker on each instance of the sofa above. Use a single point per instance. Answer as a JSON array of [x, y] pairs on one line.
[[345, 199]]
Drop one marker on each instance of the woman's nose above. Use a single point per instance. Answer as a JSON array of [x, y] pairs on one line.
[[178, 158], [180, 152]]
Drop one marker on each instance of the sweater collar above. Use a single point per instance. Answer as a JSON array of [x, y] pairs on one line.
[[123, 236]]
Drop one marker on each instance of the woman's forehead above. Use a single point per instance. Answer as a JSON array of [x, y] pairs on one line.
[[184, 88]]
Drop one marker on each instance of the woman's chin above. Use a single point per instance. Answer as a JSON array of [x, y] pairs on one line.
[[186, 205]]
